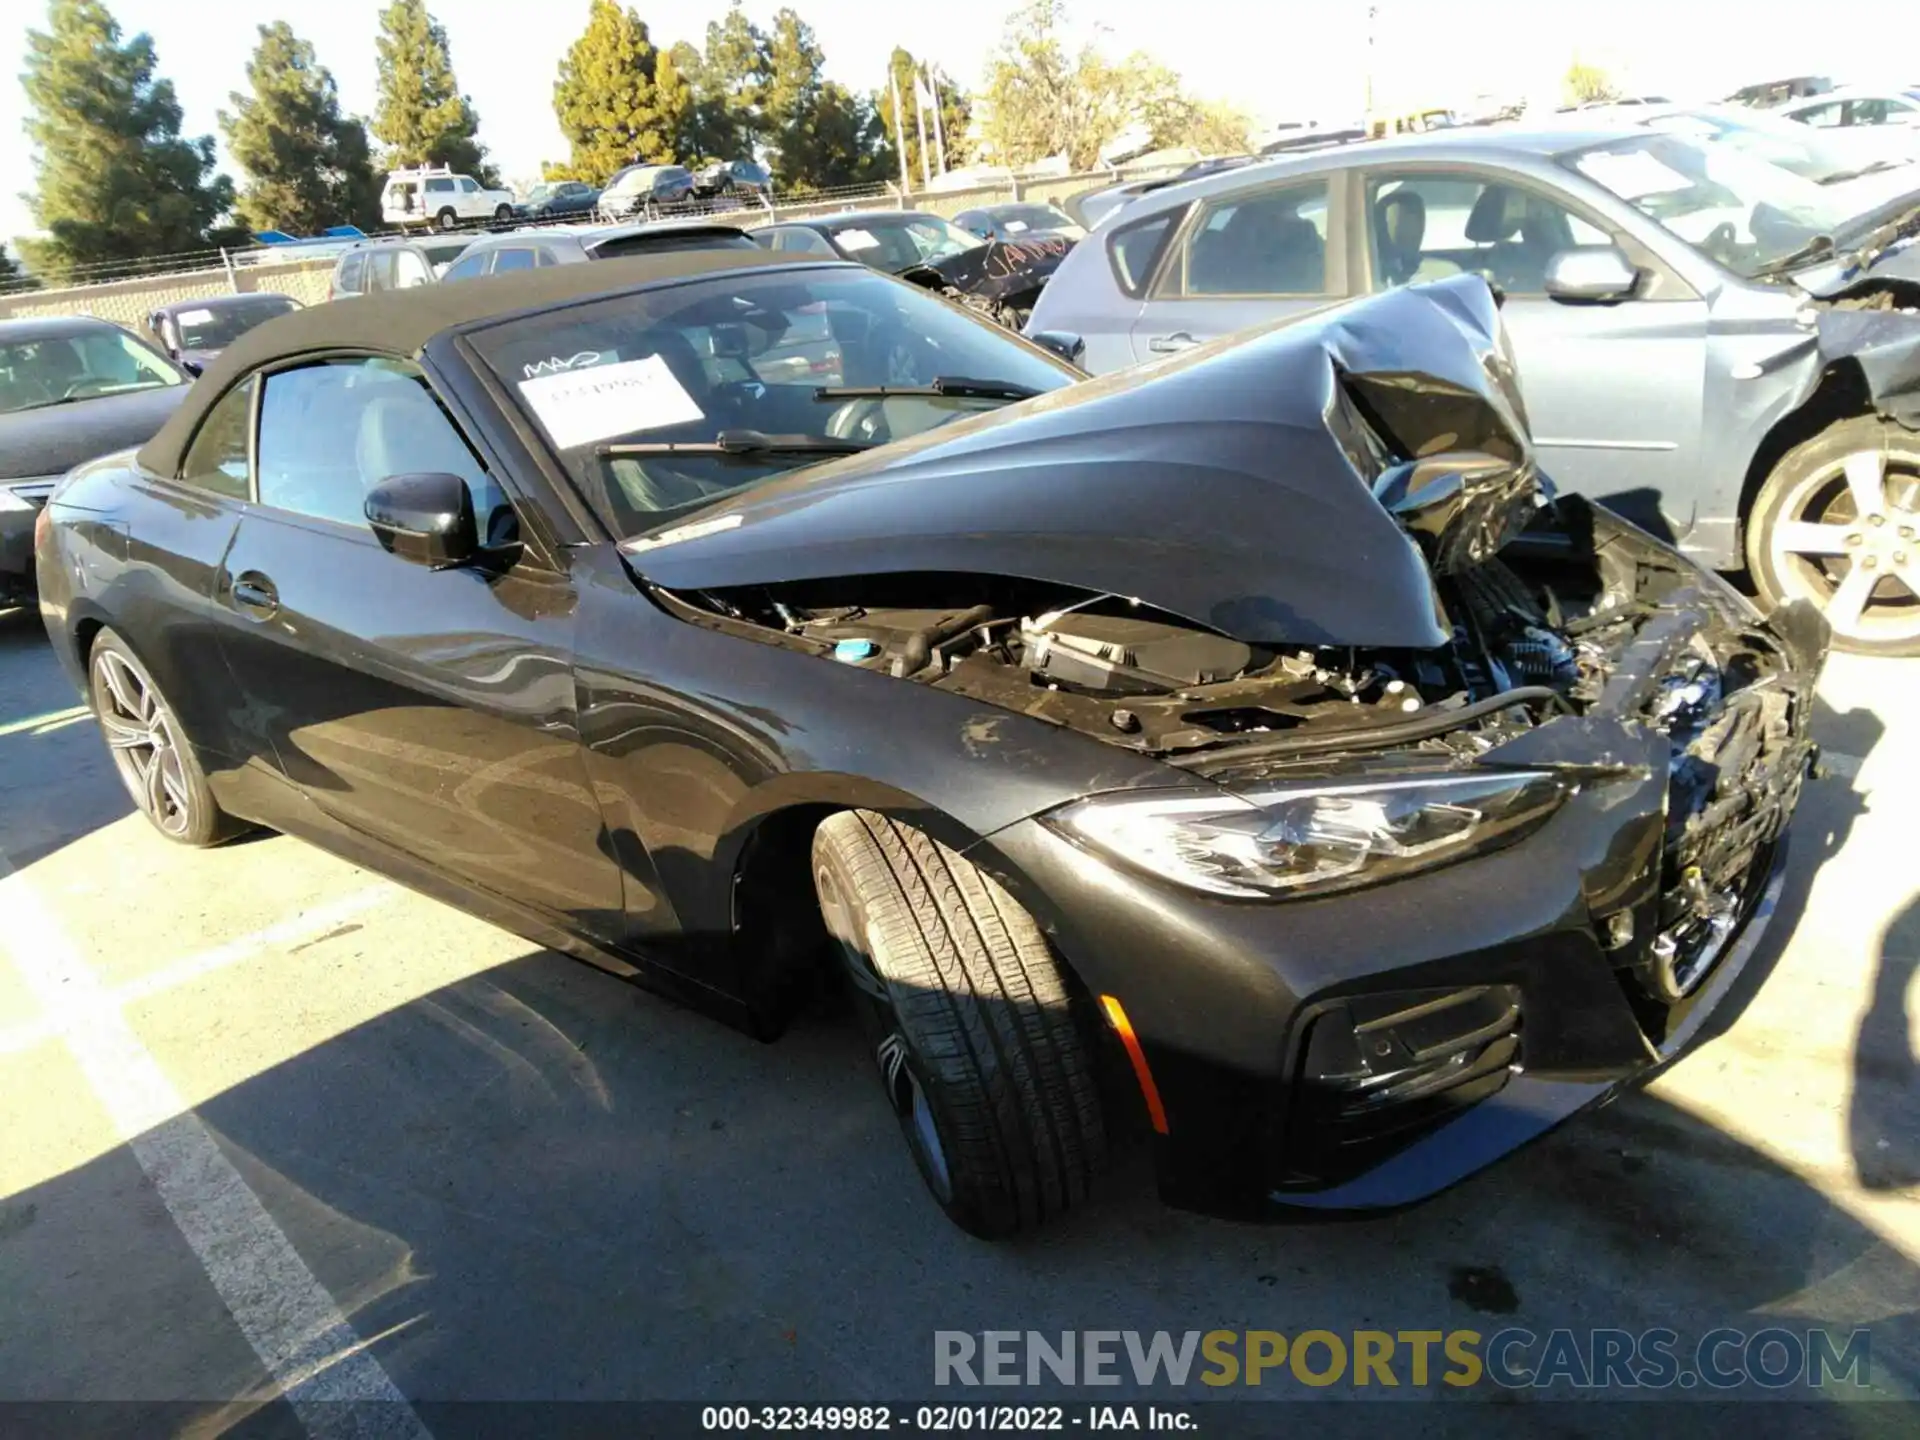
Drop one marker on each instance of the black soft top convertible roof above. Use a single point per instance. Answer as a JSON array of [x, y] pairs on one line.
[[401, 322]]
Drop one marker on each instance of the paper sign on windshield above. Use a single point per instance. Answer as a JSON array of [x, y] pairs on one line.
[[194, 317], [578, 407], [1633, 174], [855, 240]]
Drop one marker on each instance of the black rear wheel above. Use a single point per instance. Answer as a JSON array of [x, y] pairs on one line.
[[151, 751], [981, 1045]]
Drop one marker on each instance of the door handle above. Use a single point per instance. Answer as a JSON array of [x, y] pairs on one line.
[[1171, 344], [255, 594]]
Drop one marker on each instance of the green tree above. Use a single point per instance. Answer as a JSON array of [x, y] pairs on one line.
[[956, 118], [1584, 83], [1043, 100], [422, 118], [609, 100], [114, 177], [308, 166], [818, 134], [730, 86]]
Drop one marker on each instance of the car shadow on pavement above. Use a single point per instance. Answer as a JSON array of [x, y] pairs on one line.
[[540, 1183], [1886, 1080]]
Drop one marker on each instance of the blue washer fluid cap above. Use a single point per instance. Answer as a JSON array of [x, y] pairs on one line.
[[853, 651]]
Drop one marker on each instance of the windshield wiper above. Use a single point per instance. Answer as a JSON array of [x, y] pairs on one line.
[[1817, 247], [954, 386], [747, 443], [1841, 177]]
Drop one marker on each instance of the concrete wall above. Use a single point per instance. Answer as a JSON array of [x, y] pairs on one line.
[[129, 302]]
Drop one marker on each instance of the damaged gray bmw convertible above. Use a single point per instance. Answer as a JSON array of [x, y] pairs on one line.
[[1246, 751]]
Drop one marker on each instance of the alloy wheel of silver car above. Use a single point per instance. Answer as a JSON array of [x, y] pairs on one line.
[[144, 740], [1848, 538]]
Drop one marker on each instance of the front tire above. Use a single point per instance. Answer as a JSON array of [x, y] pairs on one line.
[[980, 1044], [502, 214], [1838, 523], [151, 751]]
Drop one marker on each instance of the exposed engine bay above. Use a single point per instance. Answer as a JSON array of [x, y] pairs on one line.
[[1184, 590], [1580, 616]]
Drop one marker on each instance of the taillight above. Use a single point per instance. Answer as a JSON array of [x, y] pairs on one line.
[[42, 527]]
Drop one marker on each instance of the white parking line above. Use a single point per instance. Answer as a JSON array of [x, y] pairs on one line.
[[311, 1350], [309, 925]]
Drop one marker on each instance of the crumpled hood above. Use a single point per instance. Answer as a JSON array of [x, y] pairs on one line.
[[54, 439], [1232, 485], [1871, 315]]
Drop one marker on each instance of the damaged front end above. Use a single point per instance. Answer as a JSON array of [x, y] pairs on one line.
[[1001, 279], [1317, 576]]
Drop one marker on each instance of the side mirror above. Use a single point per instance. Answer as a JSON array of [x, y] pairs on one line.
[[192, 367], [425, 517], [1069, 347], [1591, 274]]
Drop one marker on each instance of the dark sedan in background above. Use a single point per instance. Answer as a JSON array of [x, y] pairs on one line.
[[1019, 221], [1251, 722], [194, 331], [71, 388], [572, 244], [551, 201], [1002, 279]]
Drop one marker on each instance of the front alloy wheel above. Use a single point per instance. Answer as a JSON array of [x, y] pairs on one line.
[[149, 749], [1838, 523]]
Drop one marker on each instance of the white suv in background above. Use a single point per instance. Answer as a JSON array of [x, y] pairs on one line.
[[435, 195]]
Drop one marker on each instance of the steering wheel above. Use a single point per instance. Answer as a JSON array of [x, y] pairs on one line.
[[860, 420]]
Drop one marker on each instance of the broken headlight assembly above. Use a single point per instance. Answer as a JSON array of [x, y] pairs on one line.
[[1313, 838]]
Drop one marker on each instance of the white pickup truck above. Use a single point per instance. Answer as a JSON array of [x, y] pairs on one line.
[[438, 197]]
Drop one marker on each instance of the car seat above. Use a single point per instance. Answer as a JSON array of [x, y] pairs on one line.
[[1521, 233], [1400, 230]]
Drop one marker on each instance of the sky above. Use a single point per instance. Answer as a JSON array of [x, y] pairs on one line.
[[1276, 59]]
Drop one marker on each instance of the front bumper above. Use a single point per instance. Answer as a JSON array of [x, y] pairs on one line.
[[1365, 1050]]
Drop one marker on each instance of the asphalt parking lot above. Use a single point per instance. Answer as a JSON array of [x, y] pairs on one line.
[[238, 1083]]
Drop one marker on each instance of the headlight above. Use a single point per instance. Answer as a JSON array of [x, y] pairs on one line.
[[1309, 839]]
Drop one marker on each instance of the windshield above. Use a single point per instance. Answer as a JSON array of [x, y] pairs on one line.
[[742, 353], [1799, 148], [441, 254], [215, 327], [899, 242], [1741, 212], [1014, 219], [48, 371]]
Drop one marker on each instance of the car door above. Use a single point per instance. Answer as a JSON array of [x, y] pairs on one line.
[[177, 533], [1246, 256], [431, 711], [1615, 393], [473, 201]]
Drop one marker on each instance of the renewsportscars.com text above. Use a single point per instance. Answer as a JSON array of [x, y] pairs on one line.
[[1773, 1358]]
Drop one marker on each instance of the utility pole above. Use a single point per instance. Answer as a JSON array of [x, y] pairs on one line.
[[899, 131], [920, 124], [939, 130], [1373, 14]]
